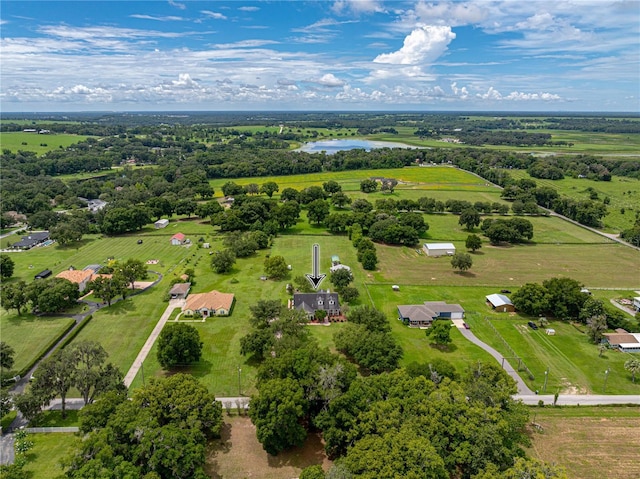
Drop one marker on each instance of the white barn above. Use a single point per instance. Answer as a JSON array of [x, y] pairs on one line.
[[161, 223], [439, 249]]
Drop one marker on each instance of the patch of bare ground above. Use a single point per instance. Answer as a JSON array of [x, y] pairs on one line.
[[238, 454], [585, 445]]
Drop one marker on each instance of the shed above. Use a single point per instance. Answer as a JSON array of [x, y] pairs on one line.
[[163, 223], [439, 249], [636, 302], [550, 331], [43, 274], [178, 239], [501, 303]]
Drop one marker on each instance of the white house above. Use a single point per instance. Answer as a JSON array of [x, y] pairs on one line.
[[163, 223], [439, 249]]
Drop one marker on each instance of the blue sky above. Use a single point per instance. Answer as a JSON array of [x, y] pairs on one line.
[[502, 55]]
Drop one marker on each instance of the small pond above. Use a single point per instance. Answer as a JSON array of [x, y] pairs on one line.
[[332, 146]]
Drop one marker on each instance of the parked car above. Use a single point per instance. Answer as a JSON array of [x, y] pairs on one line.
[[532, 325], [466, 326]]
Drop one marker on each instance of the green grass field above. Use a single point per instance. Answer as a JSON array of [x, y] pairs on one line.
[[43, 461], [39, 144], [559, 249], [623, 193], [28, 335]]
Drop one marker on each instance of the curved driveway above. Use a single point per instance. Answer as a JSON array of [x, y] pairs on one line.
[[523, 389]]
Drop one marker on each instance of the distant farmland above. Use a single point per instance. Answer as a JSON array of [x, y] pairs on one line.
[[20, 140]]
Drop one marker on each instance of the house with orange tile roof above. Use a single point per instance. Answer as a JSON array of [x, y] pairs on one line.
[[80, 277], [213, 303]]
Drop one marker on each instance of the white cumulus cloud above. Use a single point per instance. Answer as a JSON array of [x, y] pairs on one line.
[[422, 45], [330, 80]]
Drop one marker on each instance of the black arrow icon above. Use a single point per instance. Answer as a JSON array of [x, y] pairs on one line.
[[315, 278]]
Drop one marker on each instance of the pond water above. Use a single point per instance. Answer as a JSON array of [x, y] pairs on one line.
[[332, 146]]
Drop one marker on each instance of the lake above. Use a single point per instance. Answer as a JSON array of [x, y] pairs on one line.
[[332, 146]]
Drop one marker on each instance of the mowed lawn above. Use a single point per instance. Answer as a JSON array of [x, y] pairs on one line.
[[29, 335], [43, 461]]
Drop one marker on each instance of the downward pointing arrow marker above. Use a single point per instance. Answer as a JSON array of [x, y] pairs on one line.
[[315, 278]]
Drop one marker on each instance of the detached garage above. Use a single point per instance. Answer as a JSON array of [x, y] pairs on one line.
[[439, 249], [501, 303]]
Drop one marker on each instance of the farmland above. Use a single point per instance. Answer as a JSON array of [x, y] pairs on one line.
[[558, 249], [39, 144], [624, 195], [569, 435]]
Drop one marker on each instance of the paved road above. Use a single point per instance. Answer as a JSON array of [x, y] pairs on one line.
[[579, 399], [19, 230], [144, 352]]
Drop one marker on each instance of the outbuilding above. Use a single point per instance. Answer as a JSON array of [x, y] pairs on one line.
[[180, 290], [163, 223], [439, 249], [636, 303], [500, 303], [178, 239], [43, 274]]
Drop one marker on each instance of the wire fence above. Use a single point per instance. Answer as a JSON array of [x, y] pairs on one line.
[[521, 365]]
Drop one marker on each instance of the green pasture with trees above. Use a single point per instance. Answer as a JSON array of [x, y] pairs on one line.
[[274, 358], [621, 193], [27, 141]]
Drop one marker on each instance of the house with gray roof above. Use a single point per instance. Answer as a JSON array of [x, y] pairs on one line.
[[422, 315], [318, 300]]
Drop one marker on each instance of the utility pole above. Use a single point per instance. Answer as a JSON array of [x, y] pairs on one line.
[[546, 375], [606, 376], [239, 383]]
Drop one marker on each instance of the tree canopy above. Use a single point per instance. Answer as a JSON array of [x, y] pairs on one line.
[[178, 344]]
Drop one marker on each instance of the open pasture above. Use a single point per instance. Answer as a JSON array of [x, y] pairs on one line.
[[39, 144], [575, 365], [623, 193], [350, 180], [596, 265], [584, 440], [596, 143]]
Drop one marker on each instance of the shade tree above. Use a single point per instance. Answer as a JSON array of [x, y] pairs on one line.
[[178, 344]]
